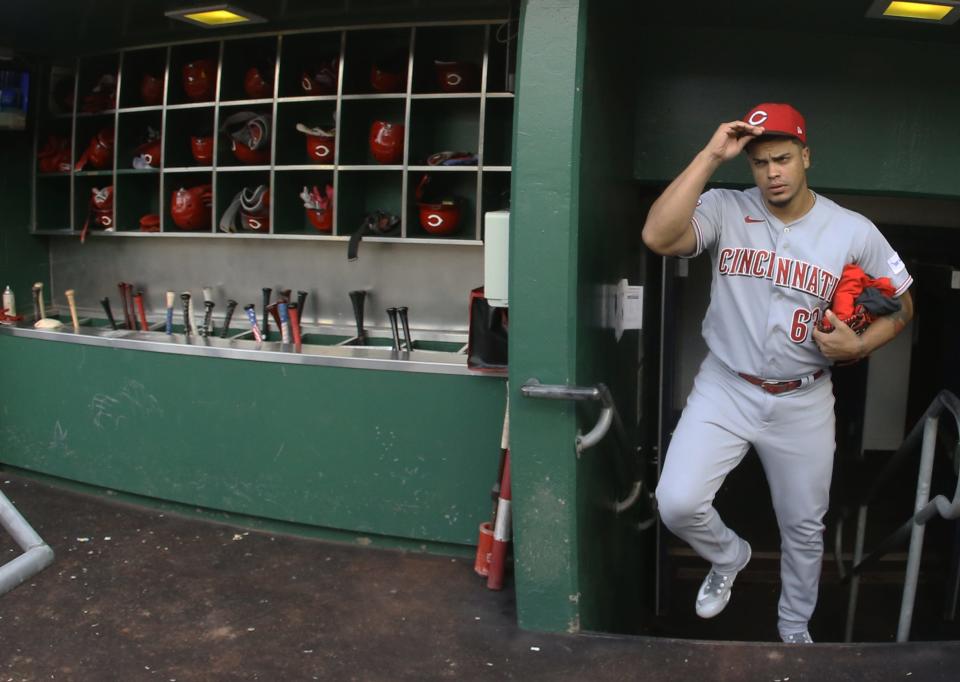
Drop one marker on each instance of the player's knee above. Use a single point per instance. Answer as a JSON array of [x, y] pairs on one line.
[[678, 507]]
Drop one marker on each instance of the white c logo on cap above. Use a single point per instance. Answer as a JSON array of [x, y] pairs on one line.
[[757, 117], [433, 220]]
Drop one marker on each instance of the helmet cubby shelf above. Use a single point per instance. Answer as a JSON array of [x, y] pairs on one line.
[[334, 126]]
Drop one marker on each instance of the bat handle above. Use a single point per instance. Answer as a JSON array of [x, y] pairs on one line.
[[266, 302], [185, 297], [133, 314], [231, 306], [72, 302], [122, 286], [392, 314], [138, 297], [294, 311], [170, 301], [251, 311], [357, 298], [301, 299], [207, 318], [105, 302], [284, 322], [402, 310], [36, 303]]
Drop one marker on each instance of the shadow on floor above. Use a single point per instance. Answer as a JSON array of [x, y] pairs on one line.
[[136, 594]]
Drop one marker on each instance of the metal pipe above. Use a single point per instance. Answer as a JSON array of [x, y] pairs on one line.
[[855, 579], [37, 554], [916, 537]]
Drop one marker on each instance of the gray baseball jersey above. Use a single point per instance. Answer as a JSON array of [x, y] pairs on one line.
[[772, 281]]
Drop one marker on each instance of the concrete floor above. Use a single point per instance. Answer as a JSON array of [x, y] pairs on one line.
[[136, 594]]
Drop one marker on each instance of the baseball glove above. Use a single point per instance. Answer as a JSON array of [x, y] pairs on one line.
[[860, 300]]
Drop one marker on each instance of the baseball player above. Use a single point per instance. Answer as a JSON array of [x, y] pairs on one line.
[[777, 252]]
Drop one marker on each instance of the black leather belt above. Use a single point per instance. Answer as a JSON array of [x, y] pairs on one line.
[[777, 387]]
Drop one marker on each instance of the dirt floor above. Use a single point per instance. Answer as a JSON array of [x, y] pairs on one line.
[[136, 594]]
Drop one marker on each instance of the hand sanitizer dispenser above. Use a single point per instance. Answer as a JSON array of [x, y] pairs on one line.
[[496, 257]]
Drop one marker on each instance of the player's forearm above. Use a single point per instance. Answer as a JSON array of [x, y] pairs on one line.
[[669, 217], [885, 329]]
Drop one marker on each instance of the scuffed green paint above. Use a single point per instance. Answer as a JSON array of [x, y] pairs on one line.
[[370, 452], [543, 310]]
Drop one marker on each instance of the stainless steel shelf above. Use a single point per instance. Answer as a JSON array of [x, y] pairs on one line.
[[362, 357]]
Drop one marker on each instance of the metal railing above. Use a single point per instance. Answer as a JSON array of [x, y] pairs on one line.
[[628, 467], [924, 434], [36, 556]]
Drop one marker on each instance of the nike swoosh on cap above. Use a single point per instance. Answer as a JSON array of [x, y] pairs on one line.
[[751, 219]]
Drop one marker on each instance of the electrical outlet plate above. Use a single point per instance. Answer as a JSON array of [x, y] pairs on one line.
[[628, 307]]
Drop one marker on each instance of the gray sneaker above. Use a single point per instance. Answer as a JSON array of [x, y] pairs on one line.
[[797, 638], [714, 593]]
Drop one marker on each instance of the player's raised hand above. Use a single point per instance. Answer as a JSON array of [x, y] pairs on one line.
[[730, 139]]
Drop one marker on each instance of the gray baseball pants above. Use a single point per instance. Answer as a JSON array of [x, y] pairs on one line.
[[793, 434]]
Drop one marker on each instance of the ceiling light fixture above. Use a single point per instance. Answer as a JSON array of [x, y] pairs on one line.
[[939, 12], [215, 16]]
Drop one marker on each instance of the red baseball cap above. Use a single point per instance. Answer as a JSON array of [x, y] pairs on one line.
[[778, 119]]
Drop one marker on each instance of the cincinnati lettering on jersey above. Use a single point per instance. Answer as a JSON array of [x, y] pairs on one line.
[[784, 272]]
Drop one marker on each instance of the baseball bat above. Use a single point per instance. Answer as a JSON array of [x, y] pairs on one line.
[[36, 303], [294, 311], [72, 302], [185, 297], [266, 301], [392, 314], [122, 286], [144, 325], [207, 296], [105, 302], [402, 310], [231, 306], [252, 316], [357, 298], [272, 309], [301, 299], [39, 287], [284, 322], [193, 318], [207, 319], [170, 300], [133, 314]]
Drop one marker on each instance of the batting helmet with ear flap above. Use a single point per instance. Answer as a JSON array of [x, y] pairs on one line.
[[199, 77], [249, 137], [99, 153], [321, 79], [257, 82], [190, 208]]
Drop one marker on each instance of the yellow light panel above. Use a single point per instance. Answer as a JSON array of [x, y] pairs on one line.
[[917, 10], [220, 17]]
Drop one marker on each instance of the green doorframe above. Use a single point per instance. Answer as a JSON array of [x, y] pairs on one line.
[[543, 310]]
